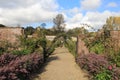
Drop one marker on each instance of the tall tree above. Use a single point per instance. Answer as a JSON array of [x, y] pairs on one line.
[[29, 30], [109, 23], [43, 25], [58, 21], [1, 25], [112, 23]]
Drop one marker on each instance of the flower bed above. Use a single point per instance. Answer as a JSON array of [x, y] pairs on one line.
[[98, 67], [19, 68]]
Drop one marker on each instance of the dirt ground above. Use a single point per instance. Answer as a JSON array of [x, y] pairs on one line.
[[61, 66]]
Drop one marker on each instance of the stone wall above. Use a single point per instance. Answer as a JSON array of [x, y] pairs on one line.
[[10, 33], [51, 38], [115, 34], [81, 47]]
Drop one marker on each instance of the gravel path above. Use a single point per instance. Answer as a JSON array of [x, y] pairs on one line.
[[61, 66]]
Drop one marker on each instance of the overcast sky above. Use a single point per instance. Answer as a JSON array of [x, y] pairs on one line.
[[35, 12]]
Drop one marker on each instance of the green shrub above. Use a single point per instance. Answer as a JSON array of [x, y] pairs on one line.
[[47, 47], [114, 58], [28, 43], [51, 49], [40, 45], [98, 48], [1, 50], [21, 52], [71, 45], [103, 75]]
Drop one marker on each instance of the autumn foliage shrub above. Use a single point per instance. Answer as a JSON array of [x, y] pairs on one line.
[[115, 73], [20, 68]]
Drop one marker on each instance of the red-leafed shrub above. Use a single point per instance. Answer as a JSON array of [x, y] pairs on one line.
[[21, 68], [6, 58], [93, 63], [115, 73], [99, 67]]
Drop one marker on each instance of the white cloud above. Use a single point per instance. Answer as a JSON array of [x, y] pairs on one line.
[[74, 10], [16, 3], [112, 4], [27, 11], [97, 19], [76, 18], [74, 21], [90, 4], [94, 19]]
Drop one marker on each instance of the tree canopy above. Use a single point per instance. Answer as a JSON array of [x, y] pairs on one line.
[[59, 23], [29, 30], [1, 25]]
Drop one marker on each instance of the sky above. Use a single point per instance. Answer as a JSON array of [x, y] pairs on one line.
[[76, 12]]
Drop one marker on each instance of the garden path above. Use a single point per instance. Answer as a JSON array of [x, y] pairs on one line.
[[61, 66]]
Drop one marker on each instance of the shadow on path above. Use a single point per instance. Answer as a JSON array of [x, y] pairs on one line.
[[51, 58]]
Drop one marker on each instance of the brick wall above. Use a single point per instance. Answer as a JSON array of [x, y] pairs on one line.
[[10, 33], [115, 37]]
